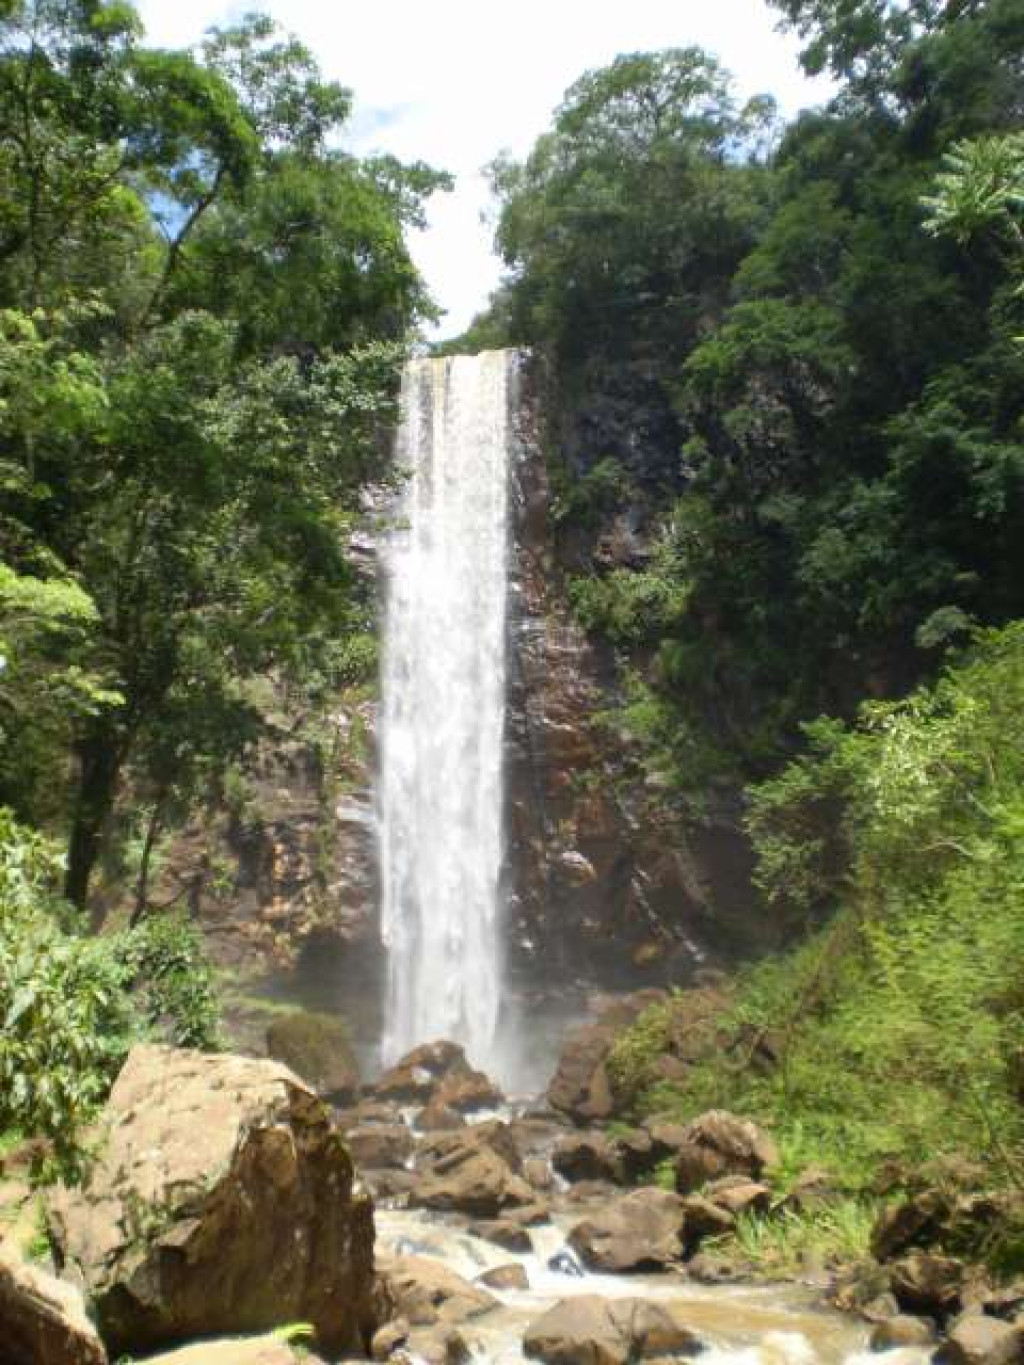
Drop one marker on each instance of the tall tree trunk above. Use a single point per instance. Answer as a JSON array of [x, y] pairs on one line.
[[100, 755], [153, 828]]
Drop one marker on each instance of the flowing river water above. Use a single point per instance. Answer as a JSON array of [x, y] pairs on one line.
[[737, 1325]]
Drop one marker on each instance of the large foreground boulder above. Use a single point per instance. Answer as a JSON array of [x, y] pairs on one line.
[[42, 1320], [589, 1330], [222, 1201]]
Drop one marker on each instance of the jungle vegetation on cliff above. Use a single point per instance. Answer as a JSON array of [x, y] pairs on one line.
[[785, 373]]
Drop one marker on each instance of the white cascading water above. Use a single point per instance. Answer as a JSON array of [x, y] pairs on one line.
[[443, 705]]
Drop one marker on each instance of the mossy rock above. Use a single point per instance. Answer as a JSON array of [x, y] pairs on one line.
[[316, 1047]]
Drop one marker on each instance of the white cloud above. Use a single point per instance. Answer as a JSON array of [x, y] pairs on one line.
[[452, 82]]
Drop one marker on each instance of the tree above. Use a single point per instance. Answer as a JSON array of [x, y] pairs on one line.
[[207, 311]]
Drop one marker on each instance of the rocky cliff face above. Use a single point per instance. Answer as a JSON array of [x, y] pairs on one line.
[[609, 882]]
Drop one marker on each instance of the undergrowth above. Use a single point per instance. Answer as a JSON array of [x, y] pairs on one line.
[[895, 1032]]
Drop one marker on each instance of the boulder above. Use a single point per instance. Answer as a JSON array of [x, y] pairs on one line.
[[915, 1222], [509, 1236], [266, 1350], [590, 1330], [438, 1118], [474, 1171], [389, 1338], [636, 1154], [42, 1319], [529, 1215], [221, 1200], [719, 1143], [380, 1147], [903, 1330], [666, 1139], [703, 1218], [736, 1194], [643, 1230], [580, 1086], [472, 1180], [405, 1085], [494, 1133], [316, 1047], [425, 1292], [435, 1346], [924, 1282], [588, 1156], [977, 1339], [368, 1112], [512, 1276], [468, 1091], [537, 1170], [421, 1074], [440, 1059]]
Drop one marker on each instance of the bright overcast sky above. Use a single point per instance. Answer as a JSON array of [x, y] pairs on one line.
[[453, 82]]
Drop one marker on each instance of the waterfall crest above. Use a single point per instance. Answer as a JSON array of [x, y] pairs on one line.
[[443, 705]]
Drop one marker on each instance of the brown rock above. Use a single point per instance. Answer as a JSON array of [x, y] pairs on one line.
[[380, 1147], [316, 1047], [719, 1143], [537, 1170], [436, 1346], [512, 1276], [43, 1320], [589, 1330], [643, 1230], [468, 1091], [916, 1222], [438, 1118], [924, 1282], [474, 1180], [441, 1058], [368, 1112], [636, 1154], [389, 1338], [902, 1330], [588, 1156], [222, 1200], [268, 1350], [426, 1291], [580, 1086], [704, 1218], [666, 1139], [494, 1133], [529, 1215], [504, 1234], [736, 1194], [977, 1339], [406, 1085]]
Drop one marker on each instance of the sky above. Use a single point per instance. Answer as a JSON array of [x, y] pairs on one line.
[[453, 82]]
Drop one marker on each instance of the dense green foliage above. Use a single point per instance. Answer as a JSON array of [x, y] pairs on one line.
[[784, 378], [204, 307], [204, 304], [71, 1005], [896, 1031], [790, 362]]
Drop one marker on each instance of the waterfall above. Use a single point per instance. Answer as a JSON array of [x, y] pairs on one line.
[[443, 705]]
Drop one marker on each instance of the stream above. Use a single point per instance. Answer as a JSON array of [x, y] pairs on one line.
[[739, 1325]]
